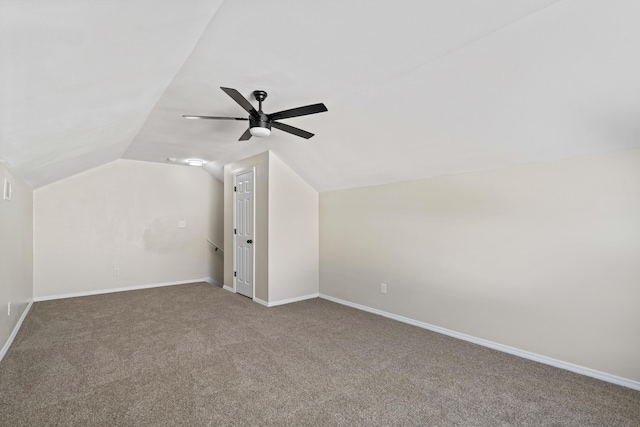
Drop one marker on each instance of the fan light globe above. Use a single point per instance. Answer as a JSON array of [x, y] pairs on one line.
[[260, 132]]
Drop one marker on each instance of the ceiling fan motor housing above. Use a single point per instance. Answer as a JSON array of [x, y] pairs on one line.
[[261, 121], [260, 126]]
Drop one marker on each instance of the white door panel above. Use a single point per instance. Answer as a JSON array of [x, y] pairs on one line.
[[244, 234]]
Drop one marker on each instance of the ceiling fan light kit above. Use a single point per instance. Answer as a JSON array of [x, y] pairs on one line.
[[260, 124], [259, 131]]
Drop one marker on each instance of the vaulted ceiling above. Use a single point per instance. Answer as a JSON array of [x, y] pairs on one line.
[[414, 88]]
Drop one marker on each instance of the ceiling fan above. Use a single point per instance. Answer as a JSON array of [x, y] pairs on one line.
[[260, 123]]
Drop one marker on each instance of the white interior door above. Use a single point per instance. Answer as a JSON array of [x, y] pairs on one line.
[[244, 234]]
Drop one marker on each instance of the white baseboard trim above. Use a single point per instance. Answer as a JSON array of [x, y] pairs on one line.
[[130, 288], [6, 346], [213, 282], [496, 346], [228, 288], [286, 301], [261, 302]]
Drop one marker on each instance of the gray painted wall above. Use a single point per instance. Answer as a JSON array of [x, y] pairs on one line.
[[544, 258], [125, 215], [16, 252]]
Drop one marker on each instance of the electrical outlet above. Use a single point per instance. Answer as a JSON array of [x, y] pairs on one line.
[[116, 271], [383, 288], [182, 224], [9, 308]]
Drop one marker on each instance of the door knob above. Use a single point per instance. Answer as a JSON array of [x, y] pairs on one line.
[[249, 241]]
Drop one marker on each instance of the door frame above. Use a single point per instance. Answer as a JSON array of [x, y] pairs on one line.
[[253, 219]]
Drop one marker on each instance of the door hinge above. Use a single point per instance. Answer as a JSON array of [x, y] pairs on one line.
[[235, 188], [235, 231], [235, 274]]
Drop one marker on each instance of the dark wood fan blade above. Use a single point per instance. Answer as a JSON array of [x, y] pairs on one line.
[[213, 118], [241, 100], [300, 111], [298, 132], [246, 135]]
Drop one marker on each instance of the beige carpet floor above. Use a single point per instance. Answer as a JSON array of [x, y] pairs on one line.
[[197, 355]]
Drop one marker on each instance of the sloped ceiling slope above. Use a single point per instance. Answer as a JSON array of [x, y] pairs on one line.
[[414, 88], [79, 78]]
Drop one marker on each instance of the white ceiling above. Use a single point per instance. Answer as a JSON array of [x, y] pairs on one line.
[[414, 88]]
